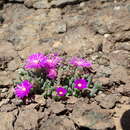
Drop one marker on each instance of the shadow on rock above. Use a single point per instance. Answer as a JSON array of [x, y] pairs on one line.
[[125, 120], [84, 128]]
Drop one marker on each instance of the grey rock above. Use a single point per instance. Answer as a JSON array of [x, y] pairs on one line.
[[7, 108], [119, 57], [57, 107], [55, 123], [6, 120], [122, 36], [107, 101], [91, 116], [61, 28], [4, 61], [27, 119], [123, 46], [41, 4], [2, 2], [16, 101], [119, 74], [111, 21], [57, 27], [102, 71], [102, 80], [12, 66], [126, 90], [40, 100], [108, 44], [59, 3], [4, 90], [16, 0], [4, 102], [106, 0], [100, 27]]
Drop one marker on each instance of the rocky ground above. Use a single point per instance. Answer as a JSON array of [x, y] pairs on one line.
[[96, 29]]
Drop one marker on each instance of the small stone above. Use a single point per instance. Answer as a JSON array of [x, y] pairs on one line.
[[57, 44], [4, 102], [4, 90], [16, 101], [82, 4], [13, 65], [40, 100], [42, 4], [60, 3], [72, 100], [126, 90], [58, 27], [7, 108], [61, 28], [117, 8], [28, 119], [57, 107], [104, 80]]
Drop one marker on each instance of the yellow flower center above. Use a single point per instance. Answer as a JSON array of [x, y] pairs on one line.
[[36, 61], [79, 62], [79, 85], [24, 89], [60, 92], [49, 60]]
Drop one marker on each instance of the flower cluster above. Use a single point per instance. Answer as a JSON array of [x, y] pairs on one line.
[[50, 65]]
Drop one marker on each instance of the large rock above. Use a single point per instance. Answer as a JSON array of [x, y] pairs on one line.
[[126, 89], [8, 48], [58, 123], [6, 120], [60, 3], [110, 21], [91, 116], [108, 101], [16, 0], [119, 57], [2, 2], [5, 78], [28, 119], [119, 74], [123, 46]]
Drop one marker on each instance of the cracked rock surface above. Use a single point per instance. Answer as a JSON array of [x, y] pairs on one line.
[[98, 30]]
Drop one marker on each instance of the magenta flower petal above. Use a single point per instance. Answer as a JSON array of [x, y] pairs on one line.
[[52, 61], [80, 62], [52, 73], [35, 61], [61, 91], [80, 84], [23, 89]]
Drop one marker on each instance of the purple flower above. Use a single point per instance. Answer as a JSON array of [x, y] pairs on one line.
[[80, 84], [35, 61], [80, 62], [61, 91], [52, 61], [52, 73], [23, 89]]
